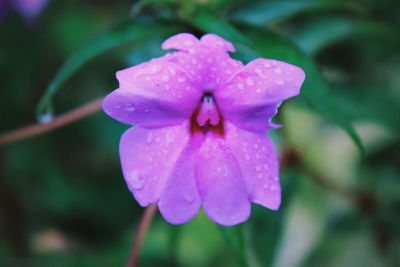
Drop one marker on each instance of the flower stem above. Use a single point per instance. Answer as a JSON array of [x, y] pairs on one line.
[[40, 128], [141, 232]]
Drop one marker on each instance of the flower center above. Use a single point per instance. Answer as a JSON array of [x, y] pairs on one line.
[[208, 112], [207, 117]]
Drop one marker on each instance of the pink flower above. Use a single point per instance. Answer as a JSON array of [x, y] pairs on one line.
[[30, 8], [200, 138]]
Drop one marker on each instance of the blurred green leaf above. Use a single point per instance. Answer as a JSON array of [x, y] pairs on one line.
[[370, 104], [318, 33], [207, 21], [263, 12], [268, 44], [255, 242], [235, 237], [127, 31]]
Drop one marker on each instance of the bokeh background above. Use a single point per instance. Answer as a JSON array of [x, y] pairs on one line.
[[63, 200]]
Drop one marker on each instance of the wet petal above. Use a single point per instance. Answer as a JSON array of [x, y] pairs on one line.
[[148, 156], [213, 40], [180, 200], [258, 160], [153, 94], [206, 62], [221, 185], [181, 41], [251, 97]]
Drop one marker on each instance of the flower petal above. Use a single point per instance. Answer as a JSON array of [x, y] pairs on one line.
[[206, 61], [220, 182], [213, 40], [180, 41], [259, 163], [251, 97], [153, 94], [180, 200], [148, 156]]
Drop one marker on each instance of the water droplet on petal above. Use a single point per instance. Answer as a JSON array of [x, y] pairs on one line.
[[258, 168], [135, 180], [278, 70], [165, 78], [188, 197], [273, 187], [279, 82], [249, 81], [267, 65], [150, 137]]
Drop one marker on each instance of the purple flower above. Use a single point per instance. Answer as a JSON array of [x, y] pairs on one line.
[[30, 8], [200, 138]]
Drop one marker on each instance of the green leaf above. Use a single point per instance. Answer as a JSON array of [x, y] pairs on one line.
[[319, 33], [256, 241], [207, 21], [263, 12], [127, 31], [261, 42]]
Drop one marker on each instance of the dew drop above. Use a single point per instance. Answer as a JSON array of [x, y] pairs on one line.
[[46, 117], [240, 85], [273, 187], [147, 78], [194, 61], [279, 82], [150, 137], [165, 78], [136, 181], [187, 196], [267, 65], [173, 72], [249, 81], [278, 71], [258, 168], [181, 79]]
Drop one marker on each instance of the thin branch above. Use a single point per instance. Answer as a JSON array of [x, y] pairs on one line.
[[60, 121], [141, 232]]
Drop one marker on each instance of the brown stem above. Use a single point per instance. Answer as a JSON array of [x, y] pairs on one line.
[[141, 232], [36, 129]]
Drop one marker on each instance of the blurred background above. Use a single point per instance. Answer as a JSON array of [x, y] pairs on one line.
[[64, 202]]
